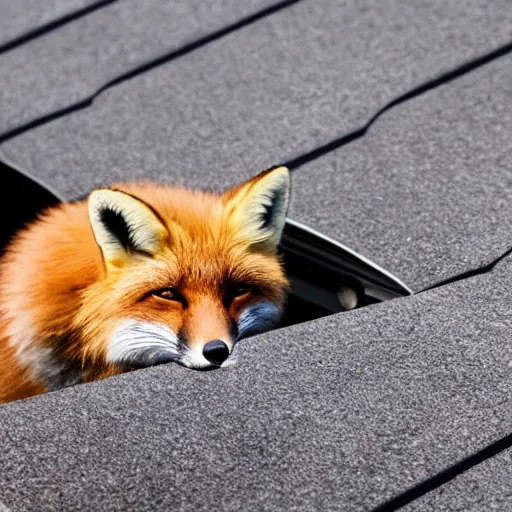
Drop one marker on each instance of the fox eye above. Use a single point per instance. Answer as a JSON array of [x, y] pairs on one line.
[[167, 293], [237, 290]]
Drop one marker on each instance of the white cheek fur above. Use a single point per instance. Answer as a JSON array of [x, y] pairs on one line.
[[39, 359], [194, 359], [134, 336]]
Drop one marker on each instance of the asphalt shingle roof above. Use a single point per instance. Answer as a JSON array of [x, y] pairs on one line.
[[484, 487], [427, 192], [23, 17], [69, 65], [290, 82], [356, 411]]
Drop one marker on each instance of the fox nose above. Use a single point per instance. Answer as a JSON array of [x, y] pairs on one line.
[[216, 351]]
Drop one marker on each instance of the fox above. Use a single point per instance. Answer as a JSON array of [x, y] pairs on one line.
[[139, 274]]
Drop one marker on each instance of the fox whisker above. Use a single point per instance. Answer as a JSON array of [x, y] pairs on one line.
[[133, 335]]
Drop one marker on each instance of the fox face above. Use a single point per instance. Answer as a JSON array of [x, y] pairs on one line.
[[138, 275], [185, 277]]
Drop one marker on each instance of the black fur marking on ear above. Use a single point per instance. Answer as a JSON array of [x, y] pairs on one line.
[[116, 224], [276, 204]]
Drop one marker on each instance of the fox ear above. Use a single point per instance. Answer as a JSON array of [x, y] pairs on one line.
[[260, 206], [124, 226]]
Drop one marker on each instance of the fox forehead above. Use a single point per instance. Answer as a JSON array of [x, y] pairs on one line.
[[197, 212], [205, 269], [201, 247]]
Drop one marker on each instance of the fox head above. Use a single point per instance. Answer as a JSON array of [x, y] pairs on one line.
[[186, 274]]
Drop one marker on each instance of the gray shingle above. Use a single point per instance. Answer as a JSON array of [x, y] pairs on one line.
[[21, 16], [270, 91], [337, 414], [484, 487], [70, 64], [427, 192]]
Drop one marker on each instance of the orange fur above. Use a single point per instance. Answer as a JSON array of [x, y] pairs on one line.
[[57, 294]]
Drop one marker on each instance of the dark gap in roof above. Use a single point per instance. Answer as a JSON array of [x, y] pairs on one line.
[[417, 91], [194, 45], [23, 199], [445, 476], [52, 25]]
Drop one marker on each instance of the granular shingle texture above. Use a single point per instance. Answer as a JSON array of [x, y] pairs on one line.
[[484, 487], [70, 64], [343, 413], [18, 17], [427, 192], [275, 89], [338, 414]]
